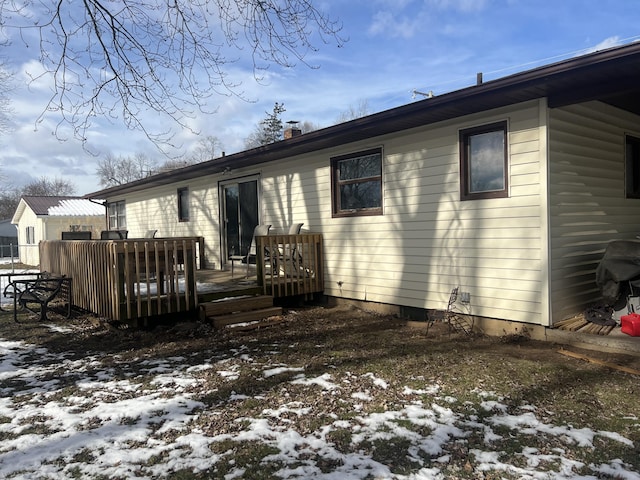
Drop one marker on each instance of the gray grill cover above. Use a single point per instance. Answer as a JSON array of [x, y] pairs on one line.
[[621, 263]]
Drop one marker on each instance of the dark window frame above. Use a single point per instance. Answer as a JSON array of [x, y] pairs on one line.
[[337, 183], [632, 166], [183, 204], [465, 161]]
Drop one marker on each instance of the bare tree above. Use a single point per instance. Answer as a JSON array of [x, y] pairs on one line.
[[354, 111], [118, 170], [206, 149], [10, 197], [308, 126], [123, 57], [44, 186]]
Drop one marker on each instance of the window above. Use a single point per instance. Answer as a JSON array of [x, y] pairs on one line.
[[30, 234], [632, 167], [357, 183], [483, 162], [183, 204], [117, 217]]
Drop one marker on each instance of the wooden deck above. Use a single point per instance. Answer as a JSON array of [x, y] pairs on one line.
[[127, 279], [132, 279]]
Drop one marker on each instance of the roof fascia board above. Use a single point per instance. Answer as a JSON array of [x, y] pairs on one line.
[[19, 211], [515, 88]]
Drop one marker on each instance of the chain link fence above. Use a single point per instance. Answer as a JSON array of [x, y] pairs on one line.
[[9, 251], [11, 268], [10, 257]]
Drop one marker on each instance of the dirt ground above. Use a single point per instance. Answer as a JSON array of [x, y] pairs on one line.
[[472, 375], [312, 323]]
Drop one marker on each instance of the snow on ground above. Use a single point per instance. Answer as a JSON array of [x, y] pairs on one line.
[[22, 273], [103, 417]]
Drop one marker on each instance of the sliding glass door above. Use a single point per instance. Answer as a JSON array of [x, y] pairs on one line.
[[240, 216]]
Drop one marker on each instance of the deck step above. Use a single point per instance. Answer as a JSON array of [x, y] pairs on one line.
[[240, 310], [235, 304], [232, 319]]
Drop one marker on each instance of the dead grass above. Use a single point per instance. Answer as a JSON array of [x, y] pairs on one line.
[[357, 346]]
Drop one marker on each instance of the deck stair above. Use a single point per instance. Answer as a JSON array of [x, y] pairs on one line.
[[242, 313]]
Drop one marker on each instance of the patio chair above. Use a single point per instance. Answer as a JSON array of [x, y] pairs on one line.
[[295, 228], [259, 231], [113, 234], [289, 253]]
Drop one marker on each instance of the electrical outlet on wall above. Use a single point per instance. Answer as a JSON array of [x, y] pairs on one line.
[[465, 297]]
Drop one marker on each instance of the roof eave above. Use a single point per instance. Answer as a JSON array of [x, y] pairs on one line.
[[561, 81]]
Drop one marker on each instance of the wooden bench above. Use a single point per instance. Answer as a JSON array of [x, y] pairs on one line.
[[40, 292]]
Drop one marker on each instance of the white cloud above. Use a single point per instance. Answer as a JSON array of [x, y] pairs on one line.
[[464, 6], [606, 43], [386, 23]]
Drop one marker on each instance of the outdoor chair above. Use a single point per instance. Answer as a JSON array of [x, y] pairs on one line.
[[113, 234], [295, 228], [259, 231], [289, 254], [291, 251]]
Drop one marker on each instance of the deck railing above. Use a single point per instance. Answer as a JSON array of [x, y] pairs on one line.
[[289, 265], [127, 279]]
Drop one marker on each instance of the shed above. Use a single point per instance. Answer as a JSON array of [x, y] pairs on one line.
[[46, 217]]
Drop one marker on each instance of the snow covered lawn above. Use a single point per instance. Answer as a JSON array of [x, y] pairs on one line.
[[328, 394]]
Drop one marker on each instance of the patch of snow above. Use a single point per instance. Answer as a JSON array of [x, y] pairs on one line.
[[125, 424], [323, 381], [378, 382], [279, 370]]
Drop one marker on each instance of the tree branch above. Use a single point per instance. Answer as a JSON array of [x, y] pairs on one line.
[[120, 58]]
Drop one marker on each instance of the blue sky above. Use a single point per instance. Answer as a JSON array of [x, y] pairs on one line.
[[393, 48]]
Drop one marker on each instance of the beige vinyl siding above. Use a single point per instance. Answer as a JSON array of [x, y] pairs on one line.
[[588, 207], [157, 209], [427, 242], [55, 225], [291, 194], [28, 253]]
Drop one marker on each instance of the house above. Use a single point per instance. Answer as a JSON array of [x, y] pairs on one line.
[[8, 239], [45, 218], [510, 189]]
